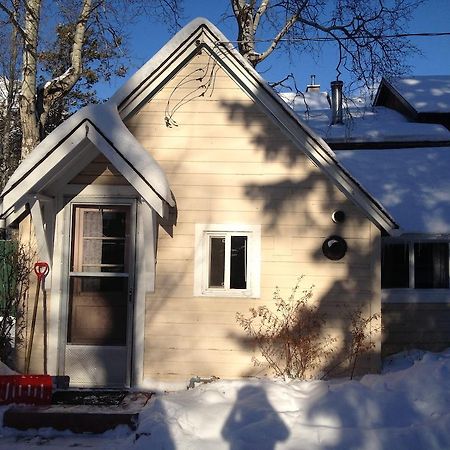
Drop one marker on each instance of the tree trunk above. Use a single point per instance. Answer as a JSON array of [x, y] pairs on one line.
[[28, 113], [246, 34]]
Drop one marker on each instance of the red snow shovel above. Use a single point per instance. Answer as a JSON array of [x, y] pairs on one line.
[[41, 270]]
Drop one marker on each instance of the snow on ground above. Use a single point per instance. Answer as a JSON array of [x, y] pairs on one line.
[[5, 370], [407, 407]]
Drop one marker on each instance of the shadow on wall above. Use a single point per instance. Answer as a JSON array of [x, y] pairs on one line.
[[253, 422], [304, 201]]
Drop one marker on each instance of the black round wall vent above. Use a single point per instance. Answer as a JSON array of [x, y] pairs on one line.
[[338, 216], [334, 248]]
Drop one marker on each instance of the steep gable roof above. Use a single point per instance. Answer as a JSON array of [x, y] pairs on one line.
[[199, 35]]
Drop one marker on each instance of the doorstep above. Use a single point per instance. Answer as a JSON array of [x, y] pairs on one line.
[[79, 418]]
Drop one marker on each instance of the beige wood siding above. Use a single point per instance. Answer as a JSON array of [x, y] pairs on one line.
[[99, 171], [417, 325], [228, 162], [27, 239]]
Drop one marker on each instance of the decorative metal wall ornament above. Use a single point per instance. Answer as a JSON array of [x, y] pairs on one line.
[[196, 84], [334, 248]]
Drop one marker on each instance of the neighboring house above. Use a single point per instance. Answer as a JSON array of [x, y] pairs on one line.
[[419, 98], [405, 165], [189, 196]]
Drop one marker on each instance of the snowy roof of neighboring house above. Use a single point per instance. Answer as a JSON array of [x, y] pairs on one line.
[[426, 94], [413, 184], [362, 123]]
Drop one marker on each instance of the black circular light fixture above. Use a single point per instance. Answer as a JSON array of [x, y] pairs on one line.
[[334, 248], [338, 216]]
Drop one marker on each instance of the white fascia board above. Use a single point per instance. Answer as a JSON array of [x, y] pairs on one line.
[[201, 32], [14, 214], [64, 136], [42, 171]]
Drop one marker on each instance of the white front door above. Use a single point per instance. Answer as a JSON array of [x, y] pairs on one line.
[[99, 308]]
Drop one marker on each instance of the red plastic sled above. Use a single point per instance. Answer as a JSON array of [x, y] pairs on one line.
[[28, 389]]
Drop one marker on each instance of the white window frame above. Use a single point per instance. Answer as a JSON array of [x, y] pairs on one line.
[[203, 232]]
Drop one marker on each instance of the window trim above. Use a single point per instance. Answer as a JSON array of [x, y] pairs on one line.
[[201, 269]]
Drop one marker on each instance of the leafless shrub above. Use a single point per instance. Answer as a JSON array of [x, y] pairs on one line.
[[16, 262], [292, 340], [361, 331], [290, 337]]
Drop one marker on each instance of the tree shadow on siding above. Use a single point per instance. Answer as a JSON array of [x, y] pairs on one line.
[[300, 201]]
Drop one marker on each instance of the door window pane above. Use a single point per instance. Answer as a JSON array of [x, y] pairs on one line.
[[216, 262], [238, 264], [99, 253], [104, 223], [431, 265], [97, 311], [395, 266], [102, 240]]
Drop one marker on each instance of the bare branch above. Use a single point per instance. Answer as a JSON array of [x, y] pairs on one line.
[[260, 12], [288, 25], [12, 15]]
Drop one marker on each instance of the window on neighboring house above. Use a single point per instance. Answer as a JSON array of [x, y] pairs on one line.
[[419, 265], [431, 265], [395, 266], [227, 260]]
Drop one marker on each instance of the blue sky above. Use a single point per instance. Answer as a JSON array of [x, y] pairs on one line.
[[147, 37]]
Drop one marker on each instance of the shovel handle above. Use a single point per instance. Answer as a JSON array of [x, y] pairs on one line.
[[41, 270]]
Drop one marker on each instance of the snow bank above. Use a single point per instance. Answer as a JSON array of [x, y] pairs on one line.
[[405, 408], [408, 407], [5, 370]]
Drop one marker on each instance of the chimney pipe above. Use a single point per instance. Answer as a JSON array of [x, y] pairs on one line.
[[336, 102], [313, 87]]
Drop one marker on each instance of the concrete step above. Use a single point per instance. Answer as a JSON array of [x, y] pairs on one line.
[[78, 418]]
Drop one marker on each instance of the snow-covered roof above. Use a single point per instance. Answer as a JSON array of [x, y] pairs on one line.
[[426, 93], [362, 123], [413, 184]]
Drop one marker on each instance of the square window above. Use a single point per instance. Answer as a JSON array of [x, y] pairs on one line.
[[227, 261]]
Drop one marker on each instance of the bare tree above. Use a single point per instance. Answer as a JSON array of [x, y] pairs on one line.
[[26, 17], [369, 34], [10, 134]]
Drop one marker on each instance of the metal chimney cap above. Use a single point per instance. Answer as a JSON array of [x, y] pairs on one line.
[[337, 83]]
